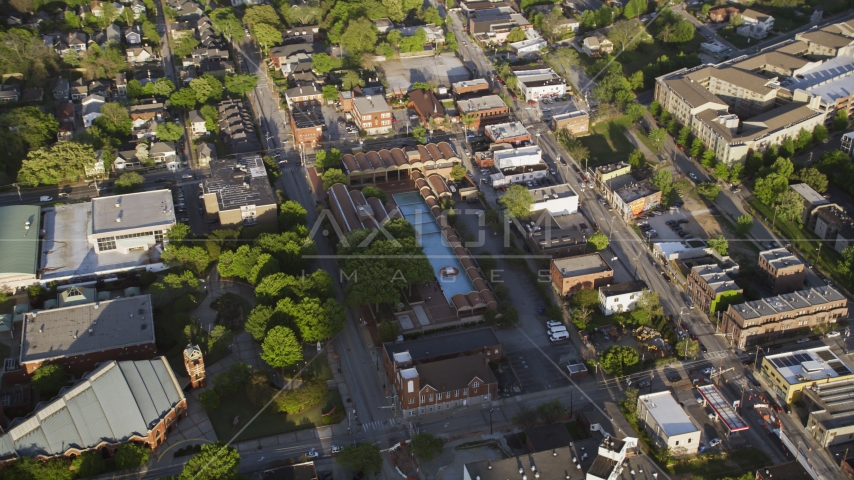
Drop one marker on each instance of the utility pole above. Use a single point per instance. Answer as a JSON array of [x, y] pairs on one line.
[[490, 421], [818, 256], [843, 458]]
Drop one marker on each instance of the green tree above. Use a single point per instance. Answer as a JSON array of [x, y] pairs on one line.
[[709, 190], [376, 192], [687, 348], [451, 41], [330, 93], [178, 234], [351, 79], [211, 116], [598, 242], [551, 411], [420, 134], [803, 140], [517, 201], [814, 178], [281, 348], [196, 259], [426, 446], [128, 182], [719, 244], [184, 46], [706, 9], [225, 21], [709, 159], [657, 137], [163, 87], [769, 189], [322, 63], [637, 160], [262, 14], [318, 320], [91, 463], [131, 455], [383, 268], [184, 98], [291, 215], [787, 149], [626, 35], [258, 321], [217, 461], [696, 148], [115, 119], [388, 331], [736, 172], [360, 36], [722, 171], [635, 111], [790, 206], [635, 8], [604, 16], [684, 136], [209, 399], [328, 159], [663, 180], [332, 176], [586, 297], [840, 121], [525, 418], [655, 108], [202, 89], [743, 224], [458, 172], [516, 35], [48, 379], [267, 35], [22, 50], [169, 132], [35, 128], [618, 358], [362, 457], [241, 84], [264, 266], [62, 161], [819, 134]]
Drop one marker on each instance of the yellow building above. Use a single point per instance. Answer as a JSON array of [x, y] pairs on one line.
[[789, 373]]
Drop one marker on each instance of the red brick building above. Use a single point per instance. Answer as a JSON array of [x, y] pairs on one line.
[[571, 274], [119, 402], [81, 337], [487, 110], [307, 126]]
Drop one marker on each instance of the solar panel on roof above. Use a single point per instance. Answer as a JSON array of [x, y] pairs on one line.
[[802, 357], [777, 363], [826, 355], [839, 368]]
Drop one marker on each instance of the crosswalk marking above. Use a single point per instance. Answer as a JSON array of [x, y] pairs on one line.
[[379, 425]]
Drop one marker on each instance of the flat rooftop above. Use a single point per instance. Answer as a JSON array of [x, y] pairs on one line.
[[152, 209], [554, 192], [371, 104], [239, 183], [19, 231], [667, 413], [558, 231], [622, 288], [788, 302], [809, 194], [611, 167], [476, 83], [837, 401], [432, 346], [581, 265], [92, 327], [66, 251], [635, 191], [479, 104], [550, 464], [506, 131], [716, 278], [564, 116], [807, 366], [721, 406], [780, 258]]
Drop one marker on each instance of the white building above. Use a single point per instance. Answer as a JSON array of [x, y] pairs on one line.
[[91, 109], [540, 83], [668, 425], [756, 25], [558, 200], [531, 45], [518, 157], [847, 141], [620, 297], [106, 235]]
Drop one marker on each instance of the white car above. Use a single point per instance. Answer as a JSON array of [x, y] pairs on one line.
[[691, 174], [552, 323], [708, 371], [833, 333], [803, 340], [413, 117], [336, 449], [715, 442], [45, 198], [312, 453], [186, 176], [713, 416]]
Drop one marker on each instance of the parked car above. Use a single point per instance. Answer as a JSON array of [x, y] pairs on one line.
[[45, 198], [312, 453], [833, 333], [643, 384], [336, 449], [803, 340], [553, 323], [693, 177], [715, 442]]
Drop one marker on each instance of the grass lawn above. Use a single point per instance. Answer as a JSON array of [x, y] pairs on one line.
[[646, 141], [268, 422], [806, 242], [319, 368], [650, 52], [714, 465], [734, 38], [608, 142]]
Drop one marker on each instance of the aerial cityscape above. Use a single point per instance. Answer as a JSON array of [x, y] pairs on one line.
[[426, 239]]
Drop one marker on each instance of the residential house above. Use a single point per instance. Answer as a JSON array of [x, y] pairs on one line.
[[478, 85], [145, 118], [435, 34], [61, 89], [383, 25], [133, 35], [113, 33], [571, 274], [138, 55], [148, 76], [197, 123], [79, 89], [91, 109], [96, 168], [756, 25], [10, 93], [307, 32], [126, 160], [100, 87], [372, 114], [121, 84], [237, 3], [138, 9], [186, 9], [14, 19], [635, 199], [307, 126], [429, 109], [164, 152], [620, 297], [771, 318], [65, 116], [83, 10], [304, 97], [722, 14], [77, 41], [287, 57], [597, 45], [32, 95], [180, 30], [217, 68], [236, 127], [206, 152], [832, 224]]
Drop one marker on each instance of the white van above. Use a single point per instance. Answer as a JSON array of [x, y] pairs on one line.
[[557, 336], [553, 330]]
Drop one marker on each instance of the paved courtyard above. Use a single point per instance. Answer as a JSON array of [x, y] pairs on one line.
[[443, 69]]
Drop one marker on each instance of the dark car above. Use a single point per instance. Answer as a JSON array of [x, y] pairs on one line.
[[643, 384], [703, 348]]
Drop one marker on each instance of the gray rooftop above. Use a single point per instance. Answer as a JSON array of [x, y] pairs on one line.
[[554, 464], [111, 404], [781, 258], [581, 265], [370, 104], [716, 278], [667, 413], [810, 195], [625, 287], [431, 346], [506, 131], [487, 102], [92, 327], [788, 302], [134, 210], [632, 192], [239, 183], [546, 194]]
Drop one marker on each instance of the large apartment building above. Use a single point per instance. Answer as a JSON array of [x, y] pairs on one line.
[[372, 114], [781, 270], [769, 318]]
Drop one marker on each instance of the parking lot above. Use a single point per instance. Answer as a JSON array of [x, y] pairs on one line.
[[443, 69]]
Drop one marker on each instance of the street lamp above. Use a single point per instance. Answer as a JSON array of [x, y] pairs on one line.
[[818, 256], [490, 421]]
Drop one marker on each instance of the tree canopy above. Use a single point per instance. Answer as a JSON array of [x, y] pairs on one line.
[[362, 457], [618, 358], [281, 348], [241, 84], [517, 200], [51, 165], [217, 461], [48, 379]]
